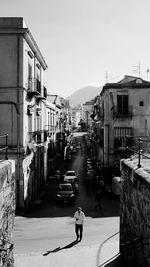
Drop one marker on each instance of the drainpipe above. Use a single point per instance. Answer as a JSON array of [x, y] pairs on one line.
[[11, 103], [108, 143], [18, 122]]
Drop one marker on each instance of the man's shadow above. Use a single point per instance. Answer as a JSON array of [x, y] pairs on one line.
[[59, 248]]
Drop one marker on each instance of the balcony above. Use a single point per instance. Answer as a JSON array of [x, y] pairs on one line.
[[125, 112], [37, 136], [34, 88], [39, 98], [31, 92]]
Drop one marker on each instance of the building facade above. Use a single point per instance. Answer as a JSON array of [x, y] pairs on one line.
[[87, 112], [123, 119], [23, 96], [76, 116]]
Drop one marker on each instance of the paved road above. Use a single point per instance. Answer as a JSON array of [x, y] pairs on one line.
[[50, 225]]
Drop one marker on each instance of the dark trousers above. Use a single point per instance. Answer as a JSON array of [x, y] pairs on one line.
[[79, 230]]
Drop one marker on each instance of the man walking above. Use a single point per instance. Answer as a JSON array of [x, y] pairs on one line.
[[79, 220]]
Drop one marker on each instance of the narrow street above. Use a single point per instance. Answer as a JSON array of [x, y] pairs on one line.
[[50, 225]]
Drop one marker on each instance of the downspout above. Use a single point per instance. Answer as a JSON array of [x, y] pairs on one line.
[[108, 129], [11, 103], [108, 143], [18, 121]]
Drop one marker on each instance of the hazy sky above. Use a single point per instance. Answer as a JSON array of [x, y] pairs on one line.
[[81, 40]]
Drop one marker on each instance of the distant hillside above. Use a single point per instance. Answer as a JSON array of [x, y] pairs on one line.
[[84, 94]]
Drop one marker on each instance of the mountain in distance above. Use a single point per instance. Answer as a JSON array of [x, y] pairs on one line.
[[84, 94]]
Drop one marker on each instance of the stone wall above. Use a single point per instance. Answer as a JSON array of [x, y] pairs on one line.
[[7, 211], [135, 213]]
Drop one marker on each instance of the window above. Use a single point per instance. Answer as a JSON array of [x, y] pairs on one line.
[[141, 103], [30, 54], [29, 76], [122, 104], [29, 71], [38, 84], [120, 134]]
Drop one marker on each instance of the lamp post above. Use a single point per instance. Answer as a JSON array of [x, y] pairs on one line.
[[139, 153]]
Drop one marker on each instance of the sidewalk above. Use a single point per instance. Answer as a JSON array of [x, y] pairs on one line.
[[82, 256]]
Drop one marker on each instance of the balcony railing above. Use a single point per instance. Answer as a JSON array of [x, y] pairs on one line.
[[50, 128], [32, 88], [38, 136], [122, 112], [34, 84], [35, 136]]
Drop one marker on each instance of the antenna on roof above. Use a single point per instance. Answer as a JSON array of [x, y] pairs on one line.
[[137, 69], [106, 76], [147, 73]]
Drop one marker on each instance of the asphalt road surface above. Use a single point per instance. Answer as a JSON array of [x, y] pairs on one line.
[[48, 225]]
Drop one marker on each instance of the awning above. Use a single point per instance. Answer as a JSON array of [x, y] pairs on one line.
[[122, 131]]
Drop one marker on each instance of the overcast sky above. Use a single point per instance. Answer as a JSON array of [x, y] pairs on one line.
[[82, 40]]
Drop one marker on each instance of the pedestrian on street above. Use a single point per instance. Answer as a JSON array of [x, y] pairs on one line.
[[79, 217]]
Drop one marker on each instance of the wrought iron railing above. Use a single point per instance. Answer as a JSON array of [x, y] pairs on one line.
[[5, 147], [132, 242], [100, 250], [34, 85], [139, 152]]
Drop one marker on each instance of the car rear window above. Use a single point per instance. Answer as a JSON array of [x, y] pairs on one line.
[[65, 187], [70, 174]]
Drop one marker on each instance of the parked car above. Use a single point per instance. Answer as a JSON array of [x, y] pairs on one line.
[[75, 185], [71, 177], [65, 193]]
